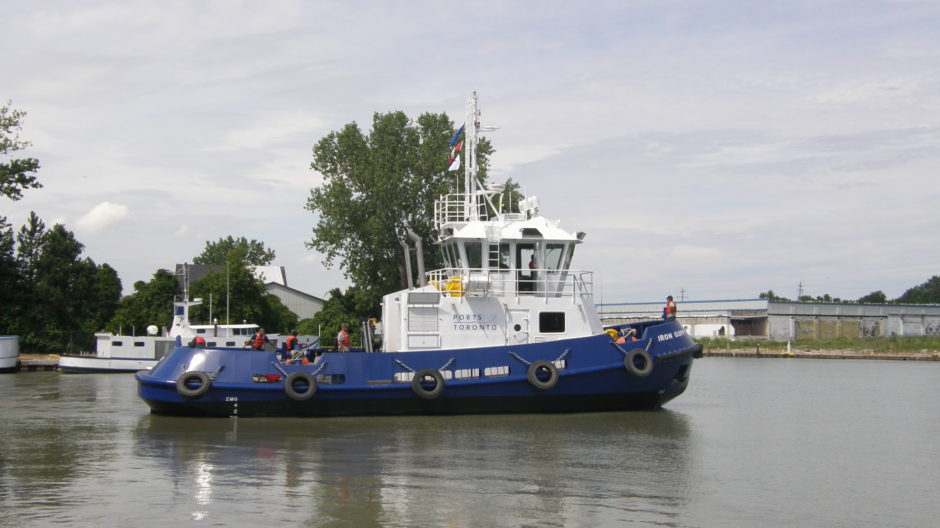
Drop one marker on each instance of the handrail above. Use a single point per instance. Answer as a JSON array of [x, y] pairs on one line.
[[511, 282]]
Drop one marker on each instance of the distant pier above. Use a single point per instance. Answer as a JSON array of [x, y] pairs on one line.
[[38, 362], [823, 354]]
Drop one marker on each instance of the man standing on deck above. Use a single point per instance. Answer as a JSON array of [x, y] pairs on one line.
[[258, 341], [342, 339], [669, 311]]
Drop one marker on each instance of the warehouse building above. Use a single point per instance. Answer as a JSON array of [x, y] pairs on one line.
[[783, 321]]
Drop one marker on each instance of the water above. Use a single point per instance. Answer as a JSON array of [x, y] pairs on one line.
[[753, 442]]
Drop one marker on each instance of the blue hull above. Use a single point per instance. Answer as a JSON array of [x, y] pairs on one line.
[[588, 374]]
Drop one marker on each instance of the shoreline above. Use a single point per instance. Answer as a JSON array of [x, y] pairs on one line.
[[923, 355]]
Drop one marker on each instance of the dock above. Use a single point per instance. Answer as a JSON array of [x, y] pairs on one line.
[[38, 362]]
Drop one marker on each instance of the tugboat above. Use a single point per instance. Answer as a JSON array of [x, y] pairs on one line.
[[507, 326]]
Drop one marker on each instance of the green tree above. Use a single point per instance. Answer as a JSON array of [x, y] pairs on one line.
[[377, 185], [9, 279], [68, 297], [29, 242], [875, 297], [926, 293], [337, 309], [276, 316], [255, 254], [16, 174], [150, 304], [237, 286], [510, 197], [771, 296]]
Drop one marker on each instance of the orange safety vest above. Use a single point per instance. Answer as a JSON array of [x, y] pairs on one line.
[[290, 342], [258, 342], [199, 340], [670, 308], [342, 339]]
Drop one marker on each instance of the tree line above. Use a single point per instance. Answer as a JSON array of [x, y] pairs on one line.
[[55, 298], [52, 297], [925, 293]]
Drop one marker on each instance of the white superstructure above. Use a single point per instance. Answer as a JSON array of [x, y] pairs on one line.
[[507, 278]]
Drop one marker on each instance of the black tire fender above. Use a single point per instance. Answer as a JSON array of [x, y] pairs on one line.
[[417, 384], [184, 389], [541, 367], [638, 363], [293, 393]]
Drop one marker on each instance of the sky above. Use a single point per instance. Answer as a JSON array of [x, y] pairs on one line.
[[709, 149]]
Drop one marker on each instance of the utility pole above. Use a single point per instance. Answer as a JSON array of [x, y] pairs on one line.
[[681, 294], [799, 291]]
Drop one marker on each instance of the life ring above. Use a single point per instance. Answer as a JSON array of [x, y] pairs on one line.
[[641, 356], [540, 368], [417, 384], [184, 389], [307, 379]]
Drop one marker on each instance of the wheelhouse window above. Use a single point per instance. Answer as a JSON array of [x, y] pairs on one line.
[[450, 256], [553, 255], [526, 266], [568, 256], [552, 322], [474, 252]]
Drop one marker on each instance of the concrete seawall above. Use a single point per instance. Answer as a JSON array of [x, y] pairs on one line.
[[923, 355]]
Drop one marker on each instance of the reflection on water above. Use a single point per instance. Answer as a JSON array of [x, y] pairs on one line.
[[483, 470]]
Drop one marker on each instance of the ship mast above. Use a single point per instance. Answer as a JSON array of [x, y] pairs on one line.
[[472, 124], [474, 193]]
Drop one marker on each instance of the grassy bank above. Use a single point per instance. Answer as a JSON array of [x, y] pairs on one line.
[[880, 345]]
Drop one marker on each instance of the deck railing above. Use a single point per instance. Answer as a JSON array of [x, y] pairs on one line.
[[545, 283]]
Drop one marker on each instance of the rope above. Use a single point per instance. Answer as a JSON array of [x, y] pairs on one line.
[[402, 365], [513, 354]]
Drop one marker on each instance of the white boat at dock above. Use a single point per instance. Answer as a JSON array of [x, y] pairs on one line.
[[9, 353], [130, 353]]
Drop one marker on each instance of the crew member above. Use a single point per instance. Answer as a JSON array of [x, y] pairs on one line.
[[342, 339], [198, 342], [258, 341], [669, 311], [293, 342]]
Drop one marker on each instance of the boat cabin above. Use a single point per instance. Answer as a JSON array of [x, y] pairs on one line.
[[507, 280]]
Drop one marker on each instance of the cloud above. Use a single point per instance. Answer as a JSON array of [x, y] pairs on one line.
[[104, 215], [733, 148]]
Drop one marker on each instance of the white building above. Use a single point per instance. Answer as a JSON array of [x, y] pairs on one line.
[[274, 278], [782, 321]]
